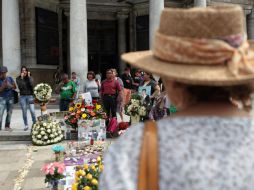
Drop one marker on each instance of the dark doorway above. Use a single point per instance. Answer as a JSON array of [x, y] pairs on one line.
[[142, 29], [47, 40], [102, 45]]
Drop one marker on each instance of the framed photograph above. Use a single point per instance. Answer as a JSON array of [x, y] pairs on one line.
[[87, 97], [144, 91]]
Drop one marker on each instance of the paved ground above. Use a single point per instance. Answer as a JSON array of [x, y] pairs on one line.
[[13, 157]]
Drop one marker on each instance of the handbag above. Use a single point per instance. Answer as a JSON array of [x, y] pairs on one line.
[[16, 96], [148, 175], [112, 126]]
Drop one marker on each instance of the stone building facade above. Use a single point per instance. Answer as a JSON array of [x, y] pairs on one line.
[[78, 36]]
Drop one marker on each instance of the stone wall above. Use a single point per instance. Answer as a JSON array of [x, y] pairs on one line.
[[28, 38]]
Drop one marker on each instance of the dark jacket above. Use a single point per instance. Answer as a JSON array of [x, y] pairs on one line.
[[25, 85]]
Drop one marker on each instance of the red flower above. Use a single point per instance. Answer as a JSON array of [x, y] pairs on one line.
[[94, 101], [89, 107]]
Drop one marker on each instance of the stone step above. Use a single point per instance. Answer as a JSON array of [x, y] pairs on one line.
[[15, 136]]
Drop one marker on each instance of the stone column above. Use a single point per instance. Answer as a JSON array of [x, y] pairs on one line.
[[155, 8], [132, 26], [199, 3], [250, 25], [60, 32], [11, 36], [121, 18], [78, 38]]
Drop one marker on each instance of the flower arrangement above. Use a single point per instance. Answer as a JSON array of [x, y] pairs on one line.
[[87, 178], [46, 132], [135, 107], [58, 150], [54, 172], [81, 111], [42, 92]]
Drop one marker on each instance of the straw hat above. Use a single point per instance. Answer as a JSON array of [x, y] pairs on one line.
[[200, 46]]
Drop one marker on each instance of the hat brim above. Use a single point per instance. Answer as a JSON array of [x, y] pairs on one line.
[[211, 75]]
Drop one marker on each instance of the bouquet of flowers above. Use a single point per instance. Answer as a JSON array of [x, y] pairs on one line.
[[81, 111], [58, 150], [42, 92], [86, 178], [135, 107], [54, 172], [46, 132]]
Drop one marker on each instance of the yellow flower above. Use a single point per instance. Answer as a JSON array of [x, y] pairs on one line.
[[93, 167], [77, 178], [84, 115], [101, 167], [86, 188], [94, 182], [98, 106], [71, 109], [89, 176], [78, 105], [74, 186], [86, 167], [81, 173], [98, 159]]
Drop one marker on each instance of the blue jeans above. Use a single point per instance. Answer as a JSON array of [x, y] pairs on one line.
[[64, 105], [6, 103], [27, 101]]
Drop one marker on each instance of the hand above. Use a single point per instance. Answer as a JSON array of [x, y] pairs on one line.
[[5, 84], [22, 75], [127, 81], [28, 74], [9, 85]]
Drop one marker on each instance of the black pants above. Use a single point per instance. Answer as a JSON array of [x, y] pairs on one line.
[[109, 103]]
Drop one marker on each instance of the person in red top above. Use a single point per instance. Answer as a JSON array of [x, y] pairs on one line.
[[110, 88]]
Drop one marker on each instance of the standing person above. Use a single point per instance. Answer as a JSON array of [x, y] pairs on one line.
[[67, 90], [120, 96], [137, 79], [92, 86], [25, 85], [110, 88], [208, 143], [76, 80], [149, 81], [7, 85], [127, 83]]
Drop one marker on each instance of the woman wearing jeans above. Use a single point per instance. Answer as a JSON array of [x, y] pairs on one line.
[[25, 85]]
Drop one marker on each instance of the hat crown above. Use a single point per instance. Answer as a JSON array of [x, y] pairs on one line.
[[212, 22]]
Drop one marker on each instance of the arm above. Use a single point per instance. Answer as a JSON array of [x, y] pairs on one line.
[[102, 89], [58, 87], [74, 89]]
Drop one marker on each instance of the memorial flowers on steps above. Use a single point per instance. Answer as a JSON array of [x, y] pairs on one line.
[[46, 132]]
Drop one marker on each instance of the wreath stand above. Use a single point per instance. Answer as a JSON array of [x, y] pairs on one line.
[[43, 108]]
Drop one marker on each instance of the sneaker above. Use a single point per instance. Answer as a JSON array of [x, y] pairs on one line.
[[8, 129], [26, 128]]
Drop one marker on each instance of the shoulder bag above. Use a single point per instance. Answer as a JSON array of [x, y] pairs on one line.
[[148, 176]]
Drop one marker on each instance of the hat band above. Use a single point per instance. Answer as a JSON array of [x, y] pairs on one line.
[[194, 51]]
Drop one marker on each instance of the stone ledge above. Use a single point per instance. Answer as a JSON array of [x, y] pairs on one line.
[[15, 136]]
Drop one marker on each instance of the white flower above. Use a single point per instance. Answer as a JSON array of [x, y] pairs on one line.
[[38, 136], [52, 136], [44, 124], [42, 133], [45, 137], [49, 131]]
